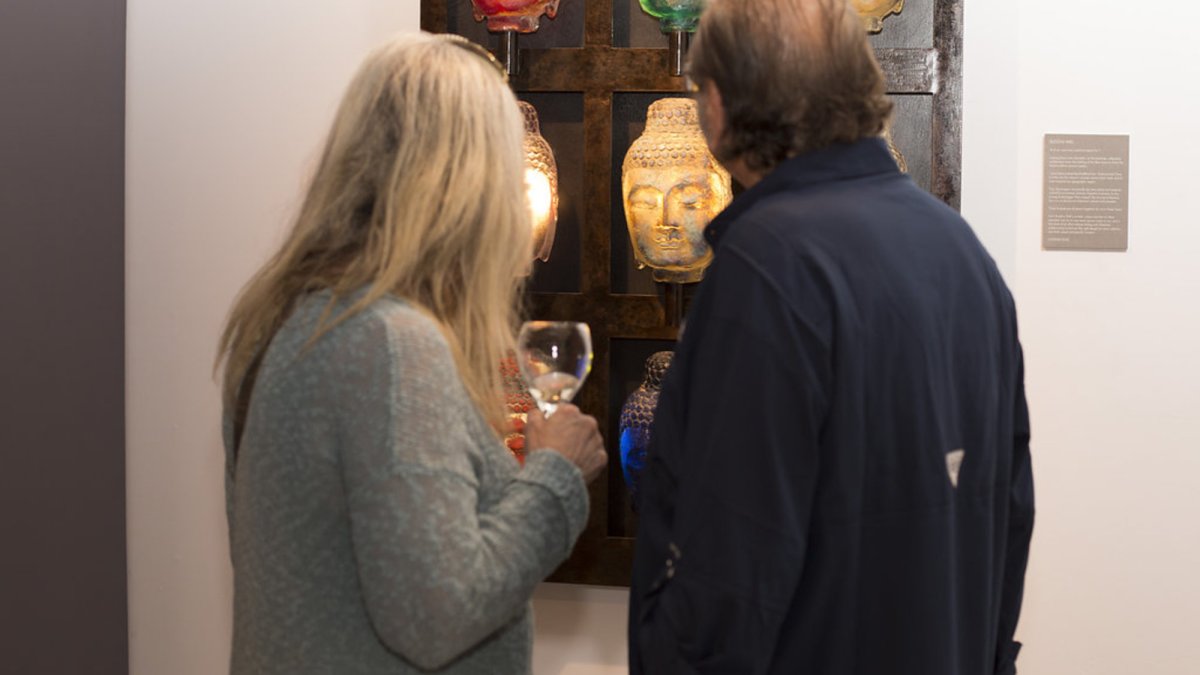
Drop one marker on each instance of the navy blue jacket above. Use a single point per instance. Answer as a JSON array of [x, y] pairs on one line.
[[838, 481]]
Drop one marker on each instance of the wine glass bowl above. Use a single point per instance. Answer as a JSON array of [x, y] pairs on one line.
[[555, 358]]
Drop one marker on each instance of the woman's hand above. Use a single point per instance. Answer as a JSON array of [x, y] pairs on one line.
[[570, 433]]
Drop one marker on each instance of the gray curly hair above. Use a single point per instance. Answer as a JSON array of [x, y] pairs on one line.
[[794, 75]]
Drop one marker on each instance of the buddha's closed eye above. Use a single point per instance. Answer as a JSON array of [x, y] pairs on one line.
[[694, 196], [645, 198]]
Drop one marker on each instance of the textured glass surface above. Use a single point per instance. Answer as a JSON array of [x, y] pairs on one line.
[[672, 187], [637, 416], [674, 15], [873, 12], [519, 15], [541, 183], [634, 442]]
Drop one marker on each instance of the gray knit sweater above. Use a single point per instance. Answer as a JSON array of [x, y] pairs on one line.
[[376, 524]]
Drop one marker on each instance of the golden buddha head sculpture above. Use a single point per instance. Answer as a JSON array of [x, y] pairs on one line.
[[521, 16], [541, 184], [873, 12], [672, 187], [898, 156]]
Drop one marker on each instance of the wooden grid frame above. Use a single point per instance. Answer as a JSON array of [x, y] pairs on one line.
[[599, 70]]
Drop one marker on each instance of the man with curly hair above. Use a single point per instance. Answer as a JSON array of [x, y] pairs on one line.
[[839, 476]]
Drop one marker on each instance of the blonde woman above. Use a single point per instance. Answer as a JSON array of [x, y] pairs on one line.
[[377, 522]]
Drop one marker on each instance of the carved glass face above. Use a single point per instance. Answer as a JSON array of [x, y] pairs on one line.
[[674, 15], [873, 12], [519, 15], [673, 188]]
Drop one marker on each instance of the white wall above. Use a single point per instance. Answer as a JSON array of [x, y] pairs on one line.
[[989, 148], [228, 100], [579, 630], [1112, 370], [1111, 347]]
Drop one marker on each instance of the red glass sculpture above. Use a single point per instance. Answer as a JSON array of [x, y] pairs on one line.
[[520, 16], [518, 403]]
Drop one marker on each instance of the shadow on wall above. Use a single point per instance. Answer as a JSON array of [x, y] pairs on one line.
[[580, 630]]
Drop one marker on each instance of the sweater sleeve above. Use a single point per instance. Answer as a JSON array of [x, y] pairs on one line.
[[438, 573]]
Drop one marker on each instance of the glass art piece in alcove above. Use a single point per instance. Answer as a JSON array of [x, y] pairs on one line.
[[518, 402], [521, 16], [673, 187], [541, 183], [873, 12], [896, 154], [676, 18], [637, 416], [674, 15], [510, 18]]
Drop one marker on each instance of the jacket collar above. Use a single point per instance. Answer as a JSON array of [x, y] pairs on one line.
[[839, 162]]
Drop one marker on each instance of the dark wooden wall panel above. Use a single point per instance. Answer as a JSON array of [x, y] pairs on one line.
[[616, 61], [62, 341]]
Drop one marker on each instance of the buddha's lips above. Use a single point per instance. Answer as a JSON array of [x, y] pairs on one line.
[[669, 240]]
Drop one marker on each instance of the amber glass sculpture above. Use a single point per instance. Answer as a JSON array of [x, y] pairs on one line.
[[873, 12], [541, 183], [521, 16], [674, 15], [896, 154], [673, 187]]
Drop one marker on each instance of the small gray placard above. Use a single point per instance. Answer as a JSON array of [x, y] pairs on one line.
[[1085, 204]]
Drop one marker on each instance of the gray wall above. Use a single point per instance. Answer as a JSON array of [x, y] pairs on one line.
[[62, 363]]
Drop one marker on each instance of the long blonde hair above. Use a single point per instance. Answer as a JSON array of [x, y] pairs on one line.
[[418, 193]]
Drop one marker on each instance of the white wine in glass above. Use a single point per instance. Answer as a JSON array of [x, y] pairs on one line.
[[555, 358]]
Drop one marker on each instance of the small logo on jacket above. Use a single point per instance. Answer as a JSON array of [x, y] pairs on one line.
[[954, 461]]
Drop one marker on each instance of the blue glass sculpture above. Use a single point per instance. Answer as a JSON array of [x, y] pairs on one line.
[[637, 416]]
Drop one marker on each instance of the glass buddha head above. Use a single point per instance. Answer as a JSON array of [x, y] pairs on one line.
[[674, 15], [521, 16], [541, 184], [898, 156], [672, 187], [873, 12]]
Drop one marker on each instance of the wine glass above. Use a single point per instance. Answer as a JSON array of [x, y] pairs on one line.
[[555, 358]]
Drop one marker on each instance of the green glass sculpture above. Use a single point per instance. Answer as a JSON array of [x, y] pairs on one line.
[[674, 16]]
